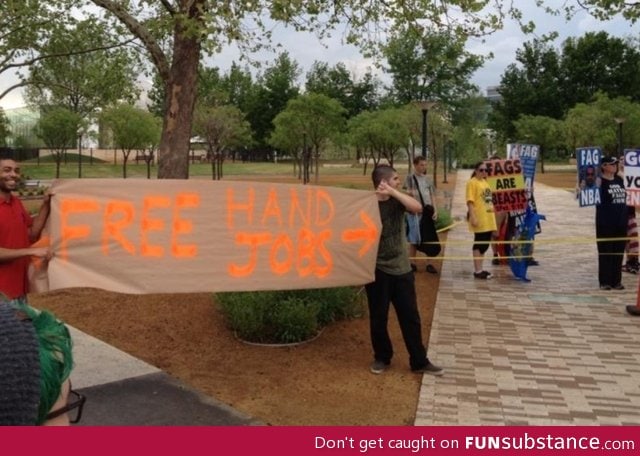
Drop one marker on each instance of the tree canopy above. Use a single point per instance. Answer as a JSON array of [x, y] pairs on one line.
[[174, 35], [429, 65], [58, 128], [175, 32], [83, 82], [336, 82], [132, 129], [549, 82]]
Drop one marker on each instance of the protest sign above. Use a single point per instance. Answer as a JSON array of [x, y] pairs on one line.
[[140, 236], [632, 176], [588, 163], [507, 185]]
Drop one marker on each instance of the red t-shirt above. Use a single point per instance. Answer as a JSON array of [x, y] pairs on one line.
[[14, 234]]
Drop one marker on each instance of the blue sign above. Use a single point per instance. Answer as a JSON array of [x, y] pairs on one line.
[[588, 161]]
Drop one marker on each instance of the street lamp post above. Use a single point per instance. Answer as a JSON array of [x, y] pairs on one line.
[[619, 121], [80, 153], [425, 105], [445, 149]]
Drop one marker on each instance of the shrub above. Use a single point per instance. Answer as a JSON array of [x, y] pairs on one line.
[[287, 316], [444, 218]]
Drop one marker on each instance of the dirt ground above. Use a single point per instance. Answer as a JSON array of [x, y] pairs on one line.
[[323, 382]]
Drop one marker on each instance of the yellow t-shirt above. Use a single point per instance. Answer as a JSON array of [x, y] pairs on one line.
[[479, 193]]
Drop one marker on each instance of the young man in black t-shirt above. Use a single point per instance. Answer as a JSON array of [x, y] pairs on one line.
[[394, 281]]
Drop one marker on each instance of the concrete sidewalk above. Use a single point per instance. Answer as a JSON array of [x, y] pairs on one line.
[[123, 391], [553, 351]]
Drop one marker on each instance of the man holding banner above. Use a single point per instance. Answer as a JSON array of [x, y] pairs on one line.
[[394, 281], [18, 230]]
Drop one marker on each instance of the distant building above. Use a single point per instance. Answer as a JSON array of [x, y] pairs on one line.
[[21, 127], [493, 96]]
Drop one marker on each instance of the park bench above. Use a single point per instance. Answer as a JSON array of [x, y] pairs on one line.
[[142, 156]]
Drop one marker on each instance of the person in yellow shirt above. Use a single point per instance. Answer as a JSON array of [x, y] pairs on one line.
[[481, 217]]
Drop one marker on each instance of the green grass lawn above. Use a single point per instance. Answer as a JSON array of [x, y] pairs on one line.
[[47, 170]]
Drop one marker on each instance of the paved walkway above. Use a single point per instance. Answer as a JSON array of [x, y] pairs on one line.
[[124, 391], [554, 351]]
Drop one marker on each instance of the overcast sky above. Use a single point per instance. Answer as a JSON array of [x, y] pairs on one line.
[[305, 49]]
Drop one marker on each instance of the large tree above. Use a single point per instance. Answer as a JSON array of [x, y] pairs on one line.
[[599, 62], [532, 86], [58, 128], [603, 9], [594, 124], [4, 128], [271, 93], [432, 64], [222, 128], [131, 129], [380, 134], [85, 82], [24, 26], [472, 141], [336, 82], [546, 82], [315, 118]]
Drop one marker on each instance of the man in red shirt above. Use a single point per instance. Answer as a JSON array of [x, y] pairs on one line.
[[18, 230]]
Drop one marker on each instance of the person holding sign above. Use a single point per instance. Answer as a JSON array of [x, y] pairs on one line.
[[481, 218], [419, 186], [18, 230], [611, 226], [631, 247], [394, 281]]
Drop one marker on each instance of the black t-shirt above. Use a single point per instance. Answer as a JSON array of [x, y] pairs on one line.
[[612, 211], [393, 257]]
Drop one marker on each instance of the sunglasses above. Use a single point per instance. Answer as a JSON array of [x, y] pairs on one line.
[[482, 170], [75, 404]]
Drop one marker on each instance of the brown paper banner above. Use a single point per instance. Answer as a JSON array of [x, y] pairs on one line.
[[165, 236]]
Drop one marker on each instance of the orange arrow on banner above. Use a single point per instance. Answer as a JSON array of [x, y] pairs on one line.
[[369, 234]]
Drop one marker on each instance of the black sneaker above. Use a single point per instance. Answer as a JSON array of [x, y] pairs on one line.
[[484, 275], [378, 367], [430, 369], [618, 287], [495, 261], [532, 262], [431, 269], [605, 287]]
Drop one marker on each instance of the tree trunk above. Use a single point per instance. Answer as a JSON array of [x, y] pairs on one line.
[[180, 96]]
